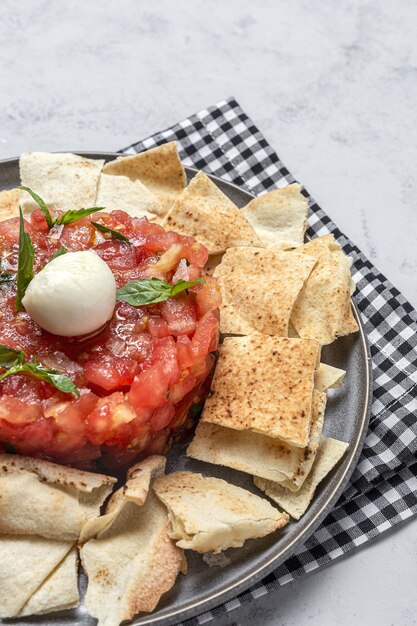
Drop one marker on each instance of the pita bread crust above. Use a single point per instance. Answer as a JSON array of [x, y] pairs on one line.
[[41, 498], [206, 213], [211, 515], [9, 204], [328, 377], [159, 169], [279, 217], [296, 503], [59, 591], [132, 561], [64, 181], [264, 384], [257, 454], [120, 193], [259, 288], [323, 310], [26, 563]]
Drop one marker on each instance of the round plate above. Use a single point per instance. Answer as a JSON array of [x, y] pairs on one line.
[[347, 418]]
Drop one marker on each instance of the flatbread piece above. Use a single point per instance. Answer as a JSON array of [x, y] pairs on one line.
[[211, 515], [328, 377], [121, 193], [206, 213], [264, 384], [41, 498], [259, 288], [279, 217], [9, 204], [159, 169], [296, 503]]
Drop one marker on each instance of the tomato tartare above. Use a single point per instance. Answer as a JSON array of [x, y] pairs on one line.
[[137, 376]]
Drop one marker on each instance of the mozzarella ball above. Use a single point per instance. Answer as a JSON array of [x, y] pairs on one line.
[[73, 295]]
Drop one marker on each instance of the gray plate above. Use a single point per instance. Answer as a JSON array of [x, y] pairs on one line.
[[347, 418]]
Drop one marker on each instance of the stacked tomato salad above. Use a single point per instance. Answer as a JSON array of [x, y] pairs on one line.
[[138, 377]]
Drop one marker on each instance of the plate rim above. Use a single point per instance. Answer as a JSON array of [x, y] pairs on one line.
[[192, 608]]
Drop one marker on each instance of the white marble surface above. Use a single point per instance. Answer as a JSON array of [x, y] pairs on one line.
[[333, 86]]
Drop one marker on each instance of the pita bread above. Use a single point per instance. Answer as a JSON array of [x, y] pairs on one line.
[[259, 288], [132, 561], [121, 193], [328, 377], [323, 309], [64, 181], [206, 213], [279, 217], [59, 591], [210, 515], [26, 563], [41, 498], [257, 454], [9, 204], [296, 503], [264, 384], [159, 169]]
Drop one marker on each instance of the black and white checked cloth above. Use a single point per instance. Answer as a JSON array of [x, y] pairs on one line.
[[222, 140]]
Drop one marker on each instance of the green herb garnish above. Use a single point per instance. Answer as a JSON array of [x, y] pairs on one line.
[[24, 263], [69, 217], [10, 357], [6, 277], [62, 250], [73, 215], [14, 363], [114, 233], [152, 290], [41, 204]]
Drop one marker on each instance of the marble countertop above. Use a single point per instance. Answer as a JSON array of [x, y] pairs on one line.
[[333, 86]]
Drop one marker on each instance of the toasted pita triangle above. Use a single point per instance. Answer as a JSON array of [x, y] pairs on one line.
[[257, 454], [9, 204], [120, 193], [132, 561], [296, 503], [59, 591], [57, 500], [279, 217], [264, 384], [323, 309], [26, 563], [211, 515], [159, 169], [259, 288], [206, 213], [328, 377], [64, 181]]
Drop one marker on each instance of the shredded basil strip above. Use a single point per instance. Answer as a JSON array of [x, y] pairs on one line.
[[61, 250], [9, 356], [24, 264], [150, 291], [14, 363], [73, 215], [114, 233], [41, 204]]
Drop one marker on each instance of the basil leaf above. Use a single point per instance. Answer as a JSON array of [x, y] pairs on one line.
[[62, 250], [53, 377], [9, 356], [152, 290], [41, 204], [6, 277], [73, 215], [114, 233], [24, 263]]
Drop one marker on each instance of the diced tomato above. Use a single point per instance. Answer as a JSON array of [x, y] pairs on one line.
[[162, 417], [186, 356], [117, 254], [180, 389], [17, 412], [208, 296], [158, 327], [109, 372], [78, 236], [180, 315], [207, 328], [115, 421], [38, 221]]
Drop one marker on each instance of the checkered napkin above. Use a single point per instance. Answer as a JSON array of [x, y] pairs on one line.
[[382, 492]]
